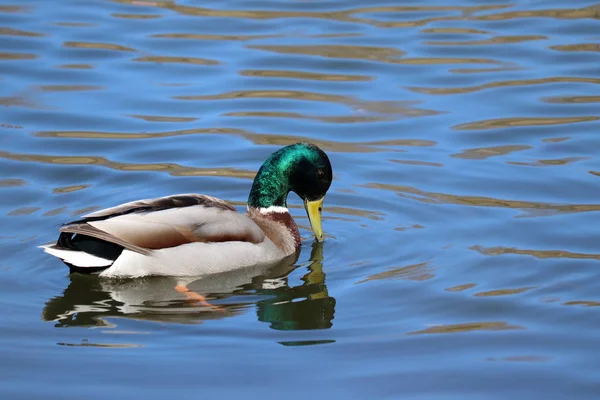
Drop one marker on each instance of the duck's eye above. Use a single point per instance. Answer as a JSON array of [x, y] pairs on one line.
[[320, 174]]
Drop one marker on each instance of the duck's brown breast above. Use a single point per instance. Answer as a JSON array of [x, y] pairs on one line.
[[279, 227]]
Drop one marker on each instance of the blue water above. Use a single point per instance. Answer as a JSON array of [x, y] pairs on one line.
[[461, 257]]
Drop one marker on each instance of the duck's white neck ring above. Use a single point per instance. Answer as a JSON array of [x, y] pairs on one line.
[[273, 209]]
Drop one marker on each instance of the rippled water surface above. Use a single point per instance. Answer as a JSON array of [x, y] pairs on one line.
[[462, 257]]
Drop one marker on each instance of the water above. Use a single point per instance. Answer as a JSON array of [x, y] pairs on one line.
[[462, 257]]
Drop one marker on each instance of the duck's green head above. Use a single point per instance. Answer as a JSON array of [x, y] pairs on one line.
[[302, 168]]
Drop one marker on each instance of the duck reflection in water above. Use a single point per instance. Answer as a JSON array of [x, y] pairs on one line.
[[89, 299]]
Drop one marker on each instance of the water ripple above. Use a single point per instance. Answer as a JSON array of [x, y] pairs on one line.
[[523, 121], [509, 83], [461, 223], [481, 201], [97, 46]]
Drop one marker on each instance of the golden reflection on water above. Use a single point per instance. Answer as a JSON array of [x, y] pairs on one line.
[[177, 60], [479, 201], [17, 56], [460, 288], [447, 13], [137, 16], [584, 303], [446, 60], [500, 250], [11, 182], [18, 32], [405, 228], [460, 13], [522, 121], [379, 54], [383, 107], [415, 272], [343, 119], [306, 75], [17, 101], [549, 163], [571, 99], [257, 138], [483, 42], [23, 211], [171, 168], [357, 212], [141, 135], [503, 292], [483, 70], [416, 162], [577, 47], [360, 16], [556, 140], [69, 88], [559, 13], [75, 24], [270, 94], [500, 84], [54, 212], [382, 54], [202, 36], [68, 189], [12, 9], [97, 46], [458, 31], [485, 152], [76, 66], [156, 118], [468, 327]]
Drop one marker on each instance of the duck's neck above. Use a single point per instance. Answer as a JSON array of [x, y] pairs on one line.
[[271, 187], [267, 205]]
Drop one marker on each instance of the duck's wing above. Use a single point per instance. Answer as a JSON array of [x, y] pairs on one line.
[[161, 203], [145, 225]]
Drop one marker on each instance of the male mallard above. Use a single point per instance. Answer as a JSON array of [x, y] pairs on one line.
[[195, 234]]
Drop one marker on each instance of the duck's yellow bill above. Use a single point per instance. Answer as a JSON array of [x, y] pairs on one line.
[[313, 209]]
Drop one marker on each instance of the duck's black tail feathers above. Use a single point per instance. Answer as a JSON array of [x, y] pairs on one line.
[[84, 254]]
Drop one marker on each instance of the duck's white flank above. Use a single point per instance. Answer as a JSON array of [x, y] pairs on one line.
[[273, 209]]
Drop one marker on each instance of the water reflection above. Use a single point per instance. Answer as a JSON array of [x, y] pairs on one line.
[[468, 327], [315, 308], [415, 272], [172, 168], [184, 60], [257, 138], [503, 84], [97, 46], [423, 196], [88, 300], [493, 40], [18, 32], [499, 250], [524, 121], [486, 152], [294, 74]]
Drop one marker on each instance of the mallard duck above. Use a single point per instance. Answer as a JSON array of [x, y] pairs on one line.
[[196, 234]]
